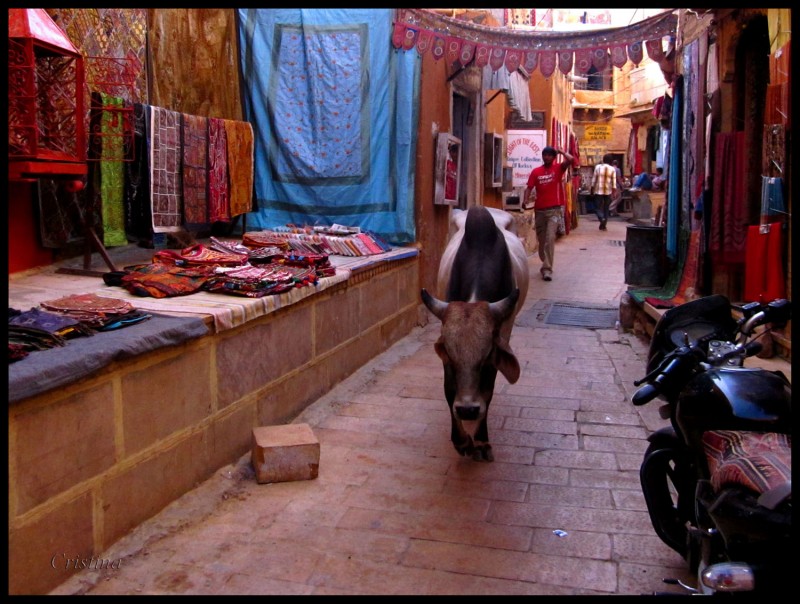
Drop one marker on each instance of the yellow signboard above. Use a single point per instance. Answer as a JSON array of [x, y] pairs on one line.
[[597, 132]]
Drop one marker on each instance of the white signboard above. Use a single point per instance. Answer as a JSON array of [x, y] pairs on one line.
[[524, 152]]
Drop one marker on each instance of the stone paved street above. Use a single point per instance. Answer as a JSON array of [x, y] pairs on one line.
[[395, 510]]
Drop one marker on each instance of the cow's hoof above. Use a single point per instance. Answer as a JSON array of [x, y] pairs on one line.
[[465, 447], [483, 453]]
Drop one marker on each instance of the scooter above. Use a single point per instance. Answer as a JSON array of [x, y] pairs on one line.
[[717, 481]]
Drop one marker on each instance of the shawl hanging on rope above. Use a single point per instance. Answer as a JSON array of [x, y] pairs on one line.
[[109, 178], [138, 215], [728, 211], [194, 136], [165, 170], [240, 165], [219, 206]]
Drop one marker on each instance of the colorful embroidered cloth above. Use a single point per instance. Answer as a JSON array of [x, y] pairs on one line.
[[112, 175], [240, 165], [756, 460], [165, 170], [199, 255], [194, 132], [219, 205], [162, 281]]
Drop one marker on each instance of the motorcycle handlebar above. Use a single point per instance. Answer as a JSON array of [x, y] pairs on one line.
[[681, 357]]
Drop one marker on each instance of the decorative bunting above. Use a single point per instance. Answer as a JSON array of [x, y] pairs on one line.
[[496, 58], [547, 62], [461, 40], [600, 58], [410, 39], [565, 58], [467, 52], [531, 59], [513, 59], [398, 34], [583, 60], [655, 50], [619, 56], [635, 52], [453, 49], [438, 47], [482, 55], [423, 41]]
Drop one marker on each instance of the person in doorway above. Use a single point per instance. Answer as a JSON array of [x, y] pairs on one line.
[[658, 180], [616, 197], [643, 181], [544, 182], [604, 183]]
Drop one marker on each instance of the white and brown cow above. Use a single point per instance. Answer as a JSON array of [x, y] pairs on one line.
[[484, 276]]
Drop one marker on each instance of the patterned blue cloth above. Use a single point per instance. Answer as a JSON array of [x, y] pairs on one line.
[[334, 110]]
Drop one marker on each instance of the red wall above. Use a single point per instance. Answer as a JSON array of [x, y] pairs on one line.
[[24, 250]]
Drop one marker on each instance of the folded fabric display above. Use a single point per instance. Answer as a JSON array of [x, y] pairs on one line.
[[61, 325], [256, 282], [255, 255], [256, 239], [199, 255], [164, 281], [319, 262]]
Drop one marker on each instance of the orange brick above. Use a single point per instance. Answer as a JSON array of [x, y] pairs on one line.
[[285, 453]]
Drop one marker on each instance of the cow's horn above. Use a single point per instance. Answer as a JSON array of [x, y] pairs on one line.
[[436, 306], [502, 309]]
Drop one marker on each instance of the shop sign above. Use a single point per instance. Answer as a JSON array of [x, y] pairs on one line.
[[524, 153], [597, 132]]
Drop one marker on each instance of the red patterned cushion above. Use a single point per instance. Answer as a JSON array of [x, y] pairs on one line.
[[758, 460]]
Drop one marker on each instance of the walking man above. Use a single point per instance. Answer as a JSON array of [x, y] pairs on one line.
[[604, 183], [545, 182], [617, 196]]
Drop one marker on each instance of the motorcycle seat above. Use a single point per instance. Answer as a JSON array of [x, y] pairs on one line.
[[759, 461]]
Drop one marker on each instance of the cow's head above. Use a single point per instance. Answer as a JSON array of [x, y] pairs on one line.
[[472, 352]]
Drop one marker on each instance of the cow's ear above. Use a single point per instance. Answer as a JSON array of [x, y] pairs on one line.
[[438, 346], [506, 362]]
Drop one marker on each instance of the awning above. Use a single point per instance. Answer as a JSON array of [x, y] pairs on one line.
[[462, 41]]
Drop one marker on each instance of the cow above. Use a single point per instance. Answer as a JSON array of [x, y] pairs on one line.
[[484, 276]]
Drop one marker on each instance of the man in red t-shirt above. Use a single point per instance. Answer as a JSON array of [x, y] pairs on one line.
[[545, 182]]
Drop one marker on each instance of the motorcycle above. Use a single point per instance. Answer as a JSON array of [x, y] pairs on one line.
[[717, 480]]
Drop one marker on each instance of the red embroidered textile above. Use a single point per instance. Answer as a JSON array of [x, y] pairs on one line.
[[763, 267], [219, 207], [194, 133], [729, 218], [756, 460], [162, 281], [199, 255]]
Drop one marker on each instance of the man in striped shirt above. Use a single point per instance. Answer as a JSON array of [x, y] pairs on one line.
[[604, 184]]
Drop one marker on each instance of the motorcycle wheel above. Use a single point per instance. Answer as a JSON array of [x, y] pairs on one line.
[[663, 476]]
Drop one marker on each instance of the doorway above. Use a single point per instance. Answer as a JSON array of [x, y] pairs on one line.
[[467, 125]]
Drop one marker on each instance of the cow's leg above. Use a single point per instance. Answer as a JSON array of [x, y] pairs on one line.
[[461, 440], [483, 450]]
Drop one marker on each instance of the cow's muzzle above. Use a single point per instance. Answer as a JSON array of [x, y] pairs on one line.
[[468, 412]]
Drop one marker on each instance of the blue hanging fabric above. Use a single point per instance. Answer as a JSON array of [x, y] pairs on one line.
[[674, 190], [334, 110]]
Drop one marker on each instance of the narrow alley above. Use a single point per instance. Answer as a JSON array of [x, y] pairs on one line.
[[395, 510]]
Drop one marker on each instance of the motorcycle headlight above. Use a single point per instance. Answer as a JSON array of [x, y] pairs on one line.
[[728, 576]]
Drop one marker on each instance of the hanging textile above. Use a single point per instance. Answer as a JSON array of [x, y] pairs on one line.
[[675, 171], [194, 139], [240, 165], [763, 272], [219, 207], [728, 210], [138, 214], [519, 96], [555, 48], [165, 170], [108, 178], [335, 110]]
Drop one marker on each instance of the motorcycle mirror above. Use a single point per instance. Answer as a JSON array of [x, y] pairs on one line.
[[729, 576]]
